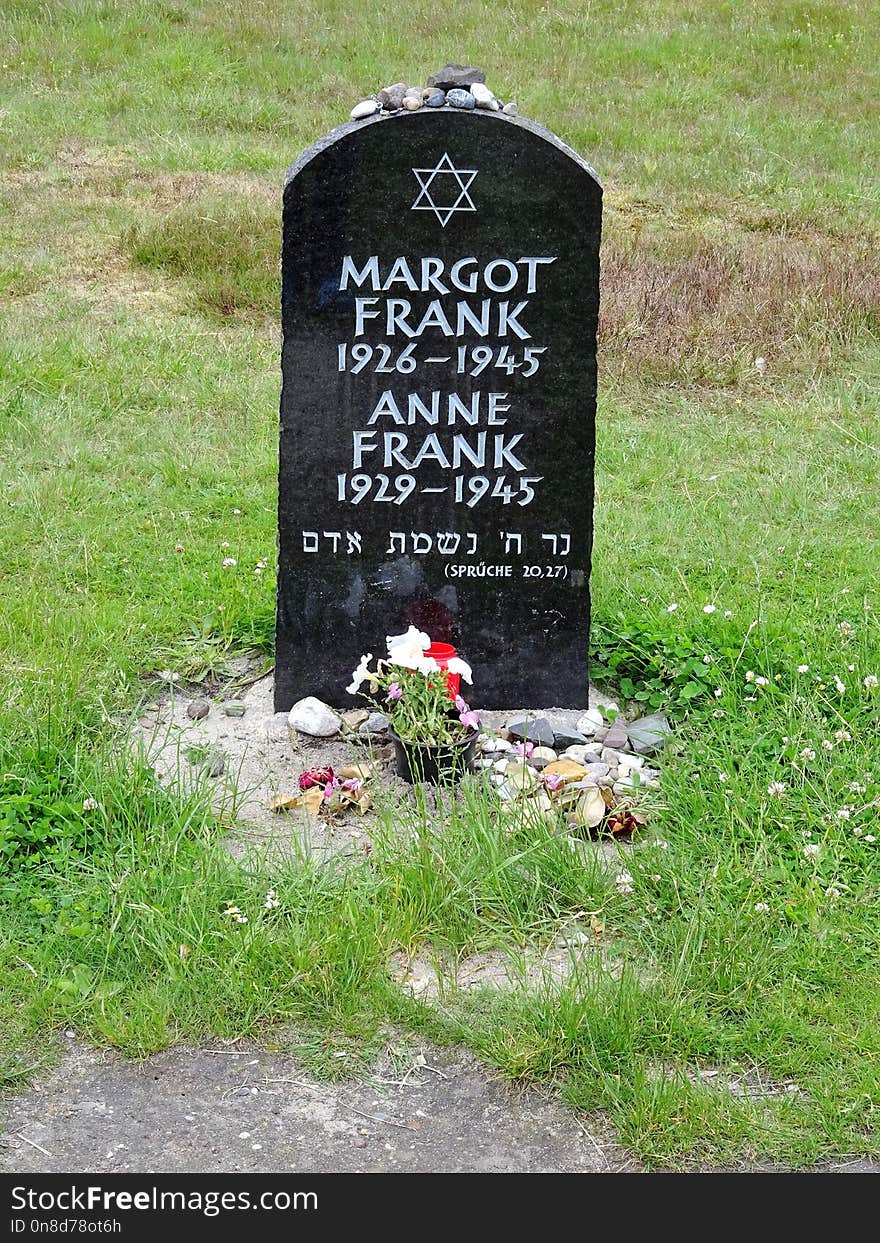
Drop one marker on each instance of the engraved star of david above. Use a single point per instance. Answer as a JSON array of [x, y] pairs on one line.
[[454, 194]]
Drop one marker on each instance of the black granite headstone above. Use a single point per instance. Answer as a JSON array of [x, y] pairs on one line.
[[440, 290]]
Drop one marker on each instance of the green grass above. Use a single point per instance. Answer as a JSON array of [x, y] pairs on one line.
[[143, 148]]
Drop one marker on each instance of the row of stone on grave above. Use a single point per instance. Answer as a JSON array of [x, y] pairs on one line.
[[454, 86]]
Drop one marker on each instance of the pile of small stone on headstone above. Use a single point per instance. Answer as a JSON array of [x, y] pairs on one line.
[[453, 86], [591, 773]]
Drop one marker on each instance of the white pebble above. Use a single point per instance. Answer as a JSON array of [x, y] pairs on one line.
[[365, 108]]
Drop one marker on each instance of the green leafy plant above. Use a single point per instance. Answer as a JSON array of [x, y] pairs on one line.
[[41, 821], [654, 668]]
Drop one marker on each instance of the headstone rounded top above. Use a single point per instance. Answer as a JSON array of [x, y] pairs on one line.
[[453, 75]]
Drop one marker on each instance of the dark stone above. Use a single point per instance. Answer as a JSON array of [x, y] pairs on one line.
[[198, 709], [616, 737], [479, 529], [461, 99], [649, 734], [234, 707], [537, 730], [451, 76], [436, 99], [569, 738]]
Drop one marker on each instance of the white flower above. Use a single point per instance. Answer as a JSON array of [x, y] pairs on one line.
[[776, 789], [408, 651], [670, 608], [457, 665], [167, 676], [709, 608], [870, 838], [762, 682], [857, 831], [843, 735], [840, 686], [845, 812], [750, 675], [832, 892], [827, 744], [761, 365], [90, 804], [271, 903], [762, 908], [719, 712], [361, 674], [803, 669], [808, 753], [707, 660], [871, 682], [229, 563], [728, 612], [845, 630], [811, 850], [750, 699], [624, 882], [718, 692], [225, 544], [857, 787]]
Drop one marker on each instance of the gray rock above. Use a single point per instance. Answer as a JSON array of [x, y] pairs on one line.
[[511, 109], [600, 733], [532, 729], [460, 99], [610, 756], [234, 707], [455, 75], [598, 771], [650, 734], [366, 108], [414, 92], [484, 97], [583, 754], [436, 99], [412, 103], [311, 716], [568, 738], [198, 709], [375, 723], [214, 764], [590, 722], [616, 738], [391, 97]]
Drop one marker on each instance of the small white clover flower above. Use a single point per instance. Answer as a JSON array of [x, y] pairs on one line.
[[624, 882], [857, 787], [845, 812], [842, 735], [707, 659], [728, 612], [776, 789], [670, 608], [808, 754], [839, 686], [723, 778], [811, 850], [762, 681], [871, 682], [858, 831], [90, 804], [718, 692], [762, 908], [750, 699], [832, 892], [845, 630], [236, 512], [869, 837], [718, 713], [827, 744], [709, 608], [167, 676], [225, 544], [750, 675], [803, 669], [229, 563], [271, 903]]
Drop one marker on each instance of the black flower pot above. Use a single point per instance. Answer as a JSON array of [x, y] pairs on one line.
[[418, 762]]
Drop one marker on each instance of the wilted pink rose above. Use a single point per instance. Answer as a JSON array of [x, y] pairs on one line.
[[316, 777], [333, 784], [551, 780], [395, 690]]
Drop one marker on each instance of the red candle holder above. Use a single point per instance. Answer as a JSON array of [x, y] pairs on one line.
[[443, 653]]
